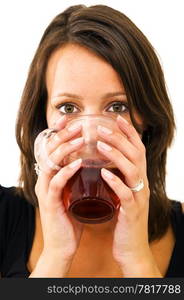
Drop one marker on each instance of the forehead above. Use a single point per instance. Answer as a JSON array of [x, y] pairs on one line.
[[73, 65]]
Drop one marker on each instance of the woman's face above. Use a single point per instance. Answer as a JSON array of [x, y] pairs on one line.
[[79, 82]]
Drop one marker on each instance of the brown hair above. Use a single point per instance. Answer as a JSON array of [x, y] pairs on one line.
[[111, 35]]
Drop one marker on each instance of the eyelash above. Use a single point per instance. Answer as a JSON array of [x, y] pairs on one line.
[[116, 102]]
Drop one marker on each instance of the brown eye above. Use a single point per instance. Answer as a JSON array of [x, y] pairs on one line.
[[119, 107], [67, 108]]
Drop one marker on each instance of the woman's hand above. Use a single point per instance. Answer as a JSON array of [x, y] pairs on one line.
[[61, 234], [130, 244]]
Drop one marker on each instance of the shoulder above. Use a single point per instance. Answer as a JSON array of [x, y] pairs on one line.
[[177, 216], [11, 197], [15, 212], [16, 224], [13, 206], [176, 264]]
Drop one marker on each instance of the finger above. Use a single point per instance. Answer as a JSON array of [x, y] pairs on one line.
[[42, 139], [63, 136], [64, 150], [45, 172], [130, 132], [128, 169], [121, 143], [60, 123], [48, 132], [58, 182], [42, 184], [120, 189]]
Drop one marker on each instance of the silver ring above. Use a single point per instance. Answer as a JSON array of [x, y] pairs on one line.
[[48, 132], [37, 169], [50, 164], [138, 187], [43, 163]]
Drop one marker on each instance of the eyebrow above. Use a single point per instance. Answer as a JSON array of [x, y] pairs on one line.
[[107, 95]]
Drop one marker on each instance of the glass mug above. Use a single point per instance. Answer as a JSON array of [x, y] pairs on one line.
[[87, 197]]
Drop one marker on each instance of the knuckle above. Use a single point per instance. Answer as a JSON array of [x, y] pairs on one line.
[[138, 155], [128, 172], [133, 173]]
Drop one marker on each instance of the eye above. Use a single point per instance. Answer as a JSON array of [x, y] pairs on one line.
[[66, 108], [119, 107], [116, 107]]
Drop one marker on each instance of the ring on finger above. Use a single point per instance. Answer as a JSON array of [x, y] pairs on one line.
[[48, 133], [139, 186], [50, 165], [44, 163]]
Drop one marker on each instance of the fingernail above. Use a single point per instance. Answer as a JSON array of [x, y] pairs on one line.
[[107, 173], [77, 141], [75, 126], [104, 129], [104, 146], [122, 119], [75, 163]]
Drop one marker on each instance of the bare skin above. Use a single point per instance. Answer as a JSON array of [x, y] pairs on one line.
[[88, 258], [63, 247]]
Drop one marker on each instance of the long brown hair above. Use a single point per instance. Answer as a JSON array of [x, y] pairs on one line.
[[112, 36]]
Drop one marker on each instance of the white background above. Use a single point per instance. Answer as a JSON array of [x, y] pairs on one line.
[[21, 26]]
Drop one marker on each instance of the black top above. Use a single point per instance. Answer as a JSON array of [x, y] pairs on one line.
[[17, 226]]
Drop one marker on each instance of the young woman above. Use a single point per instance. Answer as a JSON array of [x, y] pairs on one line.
[[94, 60]]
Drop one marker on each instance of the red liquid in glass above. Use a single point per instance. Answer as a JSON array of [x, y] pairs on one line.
[[88, 197]]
